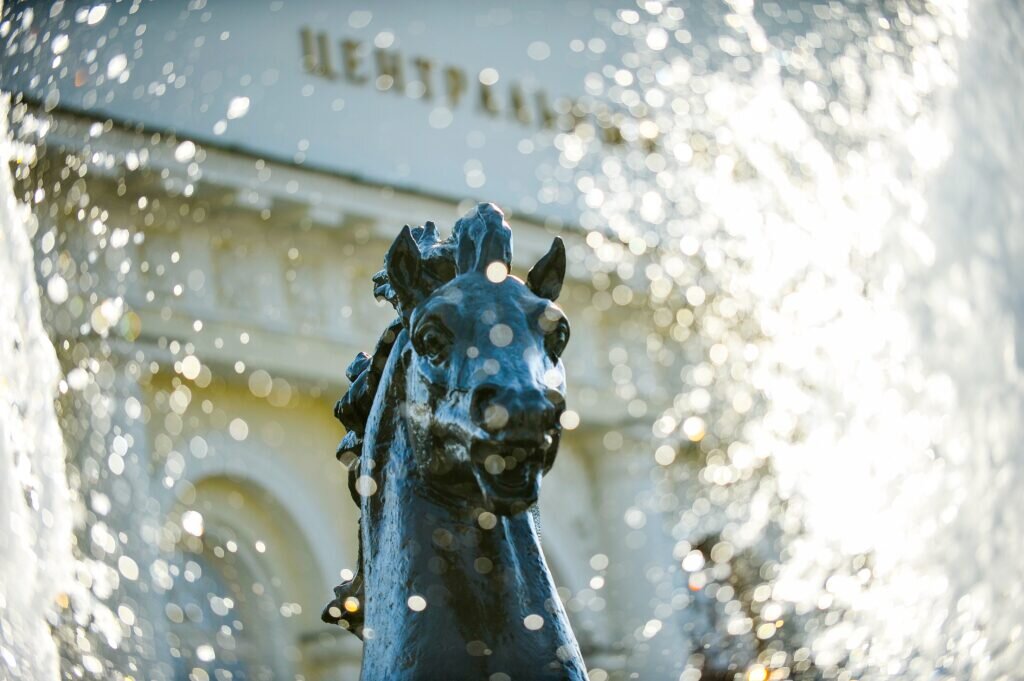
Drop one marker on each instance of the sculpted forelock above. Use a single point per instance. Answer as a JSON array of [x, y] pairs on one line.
[[452, 423]]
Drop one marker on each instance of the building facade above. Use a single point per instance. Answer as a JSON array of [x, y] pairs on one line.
[[228, 316], [216, 218]]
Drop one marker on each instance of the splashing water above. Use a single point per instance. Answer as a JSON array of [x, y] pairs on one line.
[[35, 507], [819, 203], [48, 594]]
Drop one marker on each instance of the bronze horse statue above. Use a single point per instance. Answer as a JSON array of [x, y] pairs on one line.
[[451, 424]]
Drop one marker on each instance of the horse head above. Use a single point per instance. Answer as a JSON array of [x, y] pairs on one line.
[[484, 380]]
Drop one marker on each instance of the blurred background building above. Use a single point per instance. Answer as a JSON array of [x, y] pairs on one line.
[[244, 167]]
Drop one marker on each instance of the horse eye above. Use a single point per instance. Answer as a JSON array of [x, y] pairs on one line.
[[432, 343], [556, 340]]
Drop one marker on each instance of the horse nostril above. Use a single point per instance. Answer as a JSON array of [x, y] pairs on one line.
[[495, 417], [528, 412], [484, 409], [557, 401]]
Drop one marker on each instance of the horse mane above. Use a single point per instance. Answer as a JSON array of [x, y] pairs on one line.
[[479, 238]]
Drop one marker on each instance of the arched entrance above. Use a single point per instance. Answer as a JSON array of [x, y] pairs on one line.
[[245, 596]]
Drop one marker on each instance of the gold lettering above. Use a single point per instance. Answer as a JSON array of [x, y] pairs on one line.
[[351, 51], [424, 70], [455, 85], [316, 60], [517, 101], [389, 71], [548, 118], [577, 114], [316, 57], [608, 122], [487, 101], [611, 134]]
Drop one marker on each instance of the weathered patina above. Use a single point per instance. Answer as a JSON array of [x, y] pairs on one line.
[[452, 422]]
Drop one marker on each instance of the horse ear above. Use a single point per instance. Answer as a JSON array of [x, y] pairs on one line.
[[546, 277], [403, 265]]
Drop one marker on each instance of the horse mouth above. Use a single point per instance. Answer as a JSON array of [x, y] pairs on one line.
[[512, 470], [517, 482]]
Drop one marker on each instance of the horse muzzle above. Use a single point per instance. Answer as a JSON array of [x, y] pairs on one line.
[[510, 469]]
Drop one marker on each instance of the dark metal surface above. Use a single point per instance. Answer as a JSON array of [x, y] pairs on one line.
[[452, 422]]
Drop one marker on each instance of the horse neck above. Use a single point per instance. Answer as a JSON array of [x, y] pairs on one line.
[[484, 589], [441, 551]]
